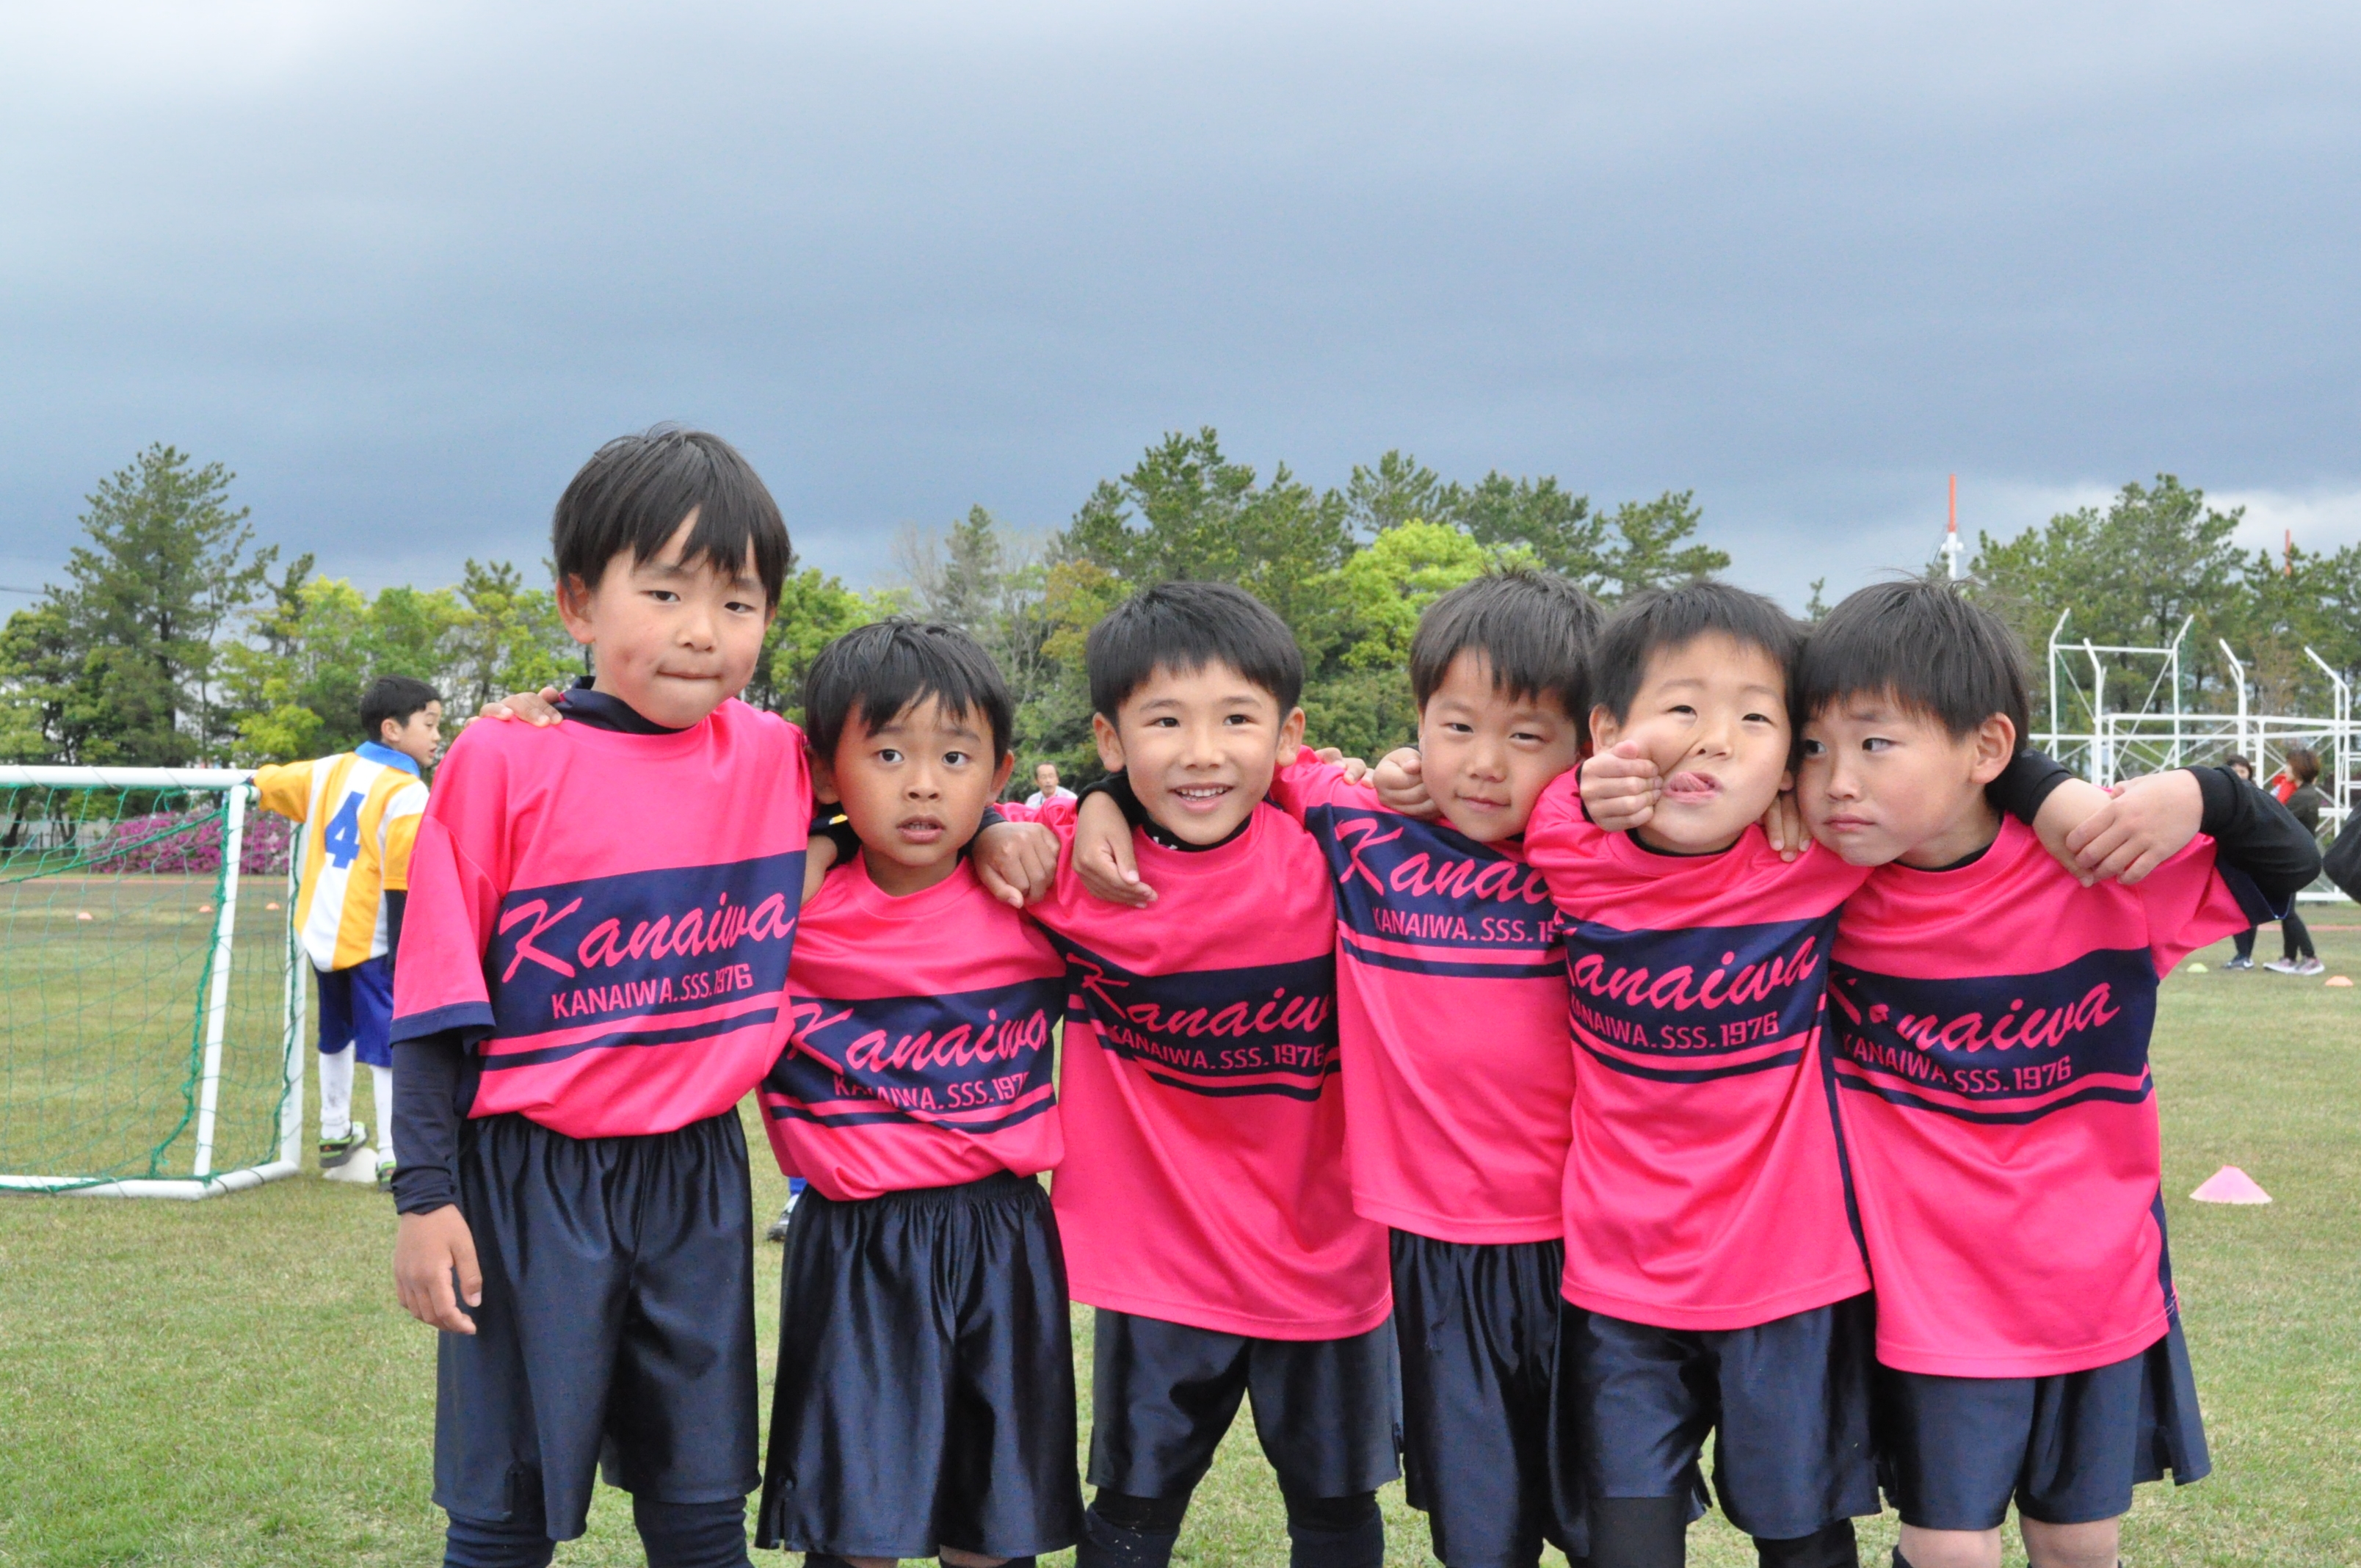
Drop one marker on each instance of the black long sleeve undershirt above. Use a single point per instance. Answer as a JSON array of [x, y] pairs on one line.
[[434, 1086]]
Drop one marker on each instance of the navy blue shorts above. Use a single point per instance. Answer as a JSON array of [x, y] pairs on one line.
[[1787, 1402], [1163, 1395], [356, 1010], [1478, 1326], [2068, 1448], [617, 1326], [926, 1388]]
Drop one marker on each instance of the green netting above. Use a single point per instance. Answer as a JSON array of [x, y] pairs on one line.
[[108, 902]]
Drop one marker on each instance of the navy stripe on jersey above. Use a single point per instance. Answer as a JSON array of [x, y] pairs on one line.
[[1686, 1006], [978, 1062], [1262, 1029], [704, 1029], [1550, 968], [642, 945], [1402, 881], [2007, 1045]]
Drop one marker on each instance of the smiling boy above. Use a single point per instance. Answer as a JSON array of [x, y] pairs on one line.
[[1203, 1200], [1458, 1088], [592, 973]]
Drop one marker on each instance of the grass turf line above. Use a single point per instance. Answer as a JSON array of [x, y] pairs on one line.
[[230, 1383]]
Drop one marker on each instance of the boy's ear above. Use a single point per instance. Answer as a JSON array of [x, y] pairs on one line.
[[1110, 742], [1290, 735], [574, 608], [1604, 728], [823, 780], [1996, 743], [1000, 775]]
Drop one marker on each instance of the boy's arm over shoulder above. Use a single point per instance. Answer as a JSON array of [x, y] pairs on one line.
[[2259, 857], [456, 874], [285, 788], [1310, 781], [1559, 836]]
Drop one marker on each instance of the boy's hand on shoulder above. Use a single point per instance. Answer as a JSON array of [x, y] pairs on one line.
[[1401, 782], [428, 1249], [1017, 861], [536, 709], [1619, 789], [1103, 860], [1355, 768], [2145, 822], [1783, 826]]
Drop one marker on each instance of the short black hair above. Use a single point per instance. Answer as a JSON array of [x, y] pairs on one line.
[[398, 697], [1929, 646], [1532, 629], [879, 669], [1185, 627], [1650, 622], [635, 490]]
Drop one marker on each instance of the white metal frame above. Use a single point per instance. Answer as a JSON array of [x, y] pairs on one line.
[[203, 1180], [2161, 732]]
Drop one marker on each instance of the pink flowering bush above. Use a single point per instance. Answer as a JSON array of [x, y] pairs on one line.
[[164, 841]]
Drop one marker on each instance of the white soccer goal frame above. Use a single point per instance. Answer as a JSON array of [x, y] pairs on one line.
[[203, 1180]]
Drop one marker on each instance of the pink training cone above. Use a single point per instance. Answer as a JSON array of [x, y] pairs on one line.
[[2230, 1185]]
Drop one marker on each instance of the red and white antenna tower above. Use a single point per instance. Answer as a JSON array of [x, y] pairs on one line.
[[1951, 531]]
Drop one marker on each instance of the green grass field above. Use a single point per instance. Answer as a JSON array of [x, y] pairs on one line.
[[231, 1383]]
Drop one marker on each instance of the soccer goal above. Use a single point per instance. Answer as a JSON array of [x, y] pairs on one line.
[[151, 1002]]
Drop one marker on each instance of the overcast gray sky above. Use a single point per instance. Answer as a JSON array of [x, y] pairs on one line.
[[403, 266]]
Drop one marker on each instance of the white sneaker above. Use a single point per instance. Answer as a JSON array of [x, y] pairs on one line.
[[2311, 966], [2284, 966]]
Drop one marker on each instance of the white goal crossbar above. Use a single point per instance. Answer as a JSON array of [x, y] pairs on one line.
[[203, 1180]]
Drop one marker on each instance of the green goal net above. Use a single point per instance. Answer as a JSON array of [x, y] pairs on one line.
[[149, 1000]]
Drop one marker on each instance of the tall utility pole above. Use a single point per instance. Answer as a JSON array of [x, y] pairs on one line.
[[1951, 531]]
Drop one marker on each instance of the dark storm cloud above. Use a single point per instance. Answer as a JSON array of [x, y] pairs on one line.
[[404, 267]]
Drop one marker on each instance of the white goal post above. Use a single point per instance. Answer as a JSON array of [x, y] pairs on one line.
[[65, 1051]]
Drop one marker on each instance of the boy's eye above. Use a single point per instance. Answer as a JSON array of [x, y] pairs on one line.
[[1683, 708], [739, 607], [1814, 748], [1527, 735], [1165, 722], [1758, 719], [1238, 719], [955, 759], [888, 754], [1877, 743], [664, 596]]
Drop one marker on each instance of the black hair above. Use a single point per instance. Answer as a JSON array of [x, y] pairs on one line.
[[1661, 618], [2240, 759], [635, 490], [881, 669], [2304, 763], [1926, 645], [1532, 629], [1185, 627], [398, 697]]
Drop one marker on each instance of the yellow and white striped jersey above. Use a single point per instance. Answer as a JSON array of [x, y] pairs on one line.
[[364, 808]]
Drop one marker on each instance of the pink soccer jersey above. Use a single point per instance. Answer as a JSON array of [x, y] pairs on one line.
[[613, 912], [1704, 1186], [1992, 1026], [1204, 1179], [921, 1050], [1450, 1019]]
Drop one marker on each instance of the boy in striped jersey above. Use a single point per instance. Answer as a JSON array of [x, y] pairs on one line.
[[365, 806]]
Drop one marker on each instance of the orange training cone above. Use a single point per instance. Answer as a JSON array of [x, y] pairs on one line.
[[2230, 1185]]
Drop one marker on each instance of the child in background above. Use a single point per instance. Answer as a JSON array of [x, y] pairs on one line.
[[365, 804], [925, 1397], [1458, 1088], [593, 972], [1991, 1014], [1204, 1199]]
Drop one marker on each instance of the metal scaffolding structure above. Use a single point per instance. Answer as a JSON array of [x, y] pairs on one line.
[[2098, 733]]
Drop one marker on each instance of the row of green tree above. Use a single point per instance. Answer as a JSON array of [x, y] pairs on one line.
[[174, 639]]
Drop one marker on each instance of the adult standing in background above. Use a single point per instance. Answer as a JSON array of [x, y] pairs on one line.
[[2301, 795], [1045, 787], [2244, 956]]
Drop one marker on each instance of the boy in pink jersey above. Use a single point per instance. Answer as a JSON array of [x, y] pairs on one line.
[[1713, 1281], [926, 1379], [593, 974], [1991, 1014], [1451, 1020], [1204, 1199]]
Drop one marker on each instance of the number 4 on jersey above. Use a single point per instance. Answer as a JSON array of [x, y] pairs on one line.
[[343, 839]]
